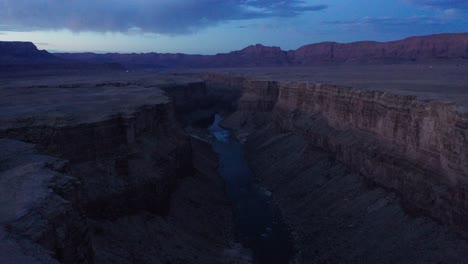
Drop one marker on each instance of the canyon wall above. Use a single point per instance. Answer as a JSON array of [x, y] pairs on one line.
[[110, 156], [416, 148], [197, 102], [358, 174], [40, 221], [112, 177]]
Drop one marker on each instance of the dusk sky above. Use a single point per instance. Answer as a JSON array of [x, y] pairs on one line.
[[212, 26]]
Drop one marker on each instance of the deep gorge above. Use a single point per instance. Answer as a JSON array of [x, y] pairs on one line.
[[359, 176], [258, 223]]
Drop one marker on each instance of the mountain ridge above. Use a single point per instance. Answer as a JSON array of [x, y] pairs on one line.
[[22, 52], [417, 48], [412, 49]]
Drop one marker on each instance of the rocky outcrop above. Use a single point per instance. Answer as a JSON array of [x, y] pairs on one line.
[[328, 147], [112, 154], [438, 47], [24, 52], [416, 148], [198, 100], [131, 176], [41, 221], [198, 227], [336, 215]]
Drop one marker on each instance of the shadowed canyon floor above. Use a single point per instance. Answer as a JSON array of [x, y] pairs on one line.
[[106, 172]]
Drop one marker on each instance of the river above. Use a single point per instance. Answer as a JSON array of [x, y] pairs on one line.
[[259, 225]]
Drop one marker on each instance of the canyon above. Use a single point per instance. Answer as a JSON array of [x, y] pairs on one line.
[[365, 163], [359, 175]]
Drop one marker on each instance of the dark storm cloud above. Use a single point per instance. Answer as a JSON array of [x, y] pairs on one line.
[[158, 16], [442, 4]]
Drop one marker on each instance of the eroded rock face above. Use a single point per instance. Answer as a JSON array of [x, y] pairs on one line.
[[416, 148], [309, 141], [196, 229], [199, 100], [127, 184], [337, 216], [115, 149], [41, 221], [329, 154]]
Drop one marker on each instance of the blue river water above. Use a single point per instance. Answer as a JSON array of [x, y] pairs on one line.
[[259, 224]]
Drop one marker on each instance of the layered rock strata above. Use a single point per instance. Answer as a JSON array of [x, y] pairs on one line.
[[40, 221], [337, 216], [199, 100], [112, 147], [305, 137], [131, 177], [416, 148], [360, 176]]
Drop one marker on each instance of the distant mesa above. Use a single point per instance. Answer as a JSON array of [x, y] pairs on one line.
[[24, 53], [19, 57], [441, 46], [414, 49]]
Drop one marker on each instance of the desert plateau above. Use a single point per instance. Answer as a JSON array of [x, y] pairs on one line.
[[332, 152]]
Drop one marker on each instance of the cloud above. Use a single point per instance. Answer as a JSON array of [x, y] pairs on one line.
[[389, 21], [156, 16], [262, 26], [395, 27], [442, 4]]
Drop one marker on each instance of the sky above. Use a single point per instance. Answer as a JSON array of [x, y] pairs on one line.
[[217, 26]]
